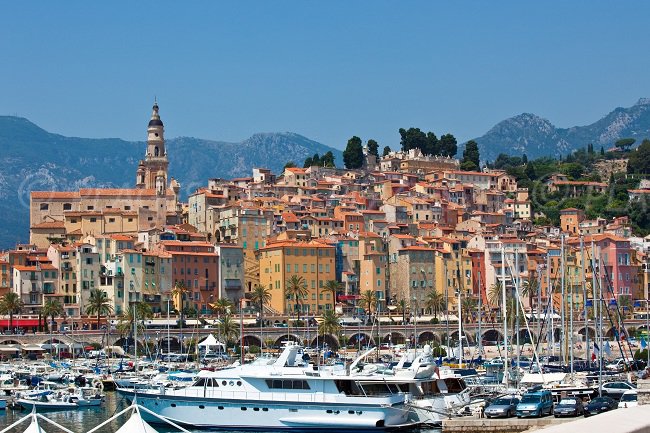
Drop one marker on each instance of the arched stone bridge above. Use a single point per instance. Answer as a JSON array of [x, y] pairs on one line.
[[272, 336]]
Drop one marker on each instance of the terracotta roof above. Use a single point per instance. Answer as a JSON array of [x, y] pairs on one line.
[[117, 192], [49, 225], [54, 194]]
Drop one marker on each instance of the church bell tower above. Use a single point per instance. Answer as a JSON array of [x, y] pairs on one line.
[[152, 171]]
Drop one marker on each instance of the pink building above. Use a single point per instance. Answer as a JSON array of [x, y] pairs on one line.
[[619, 270]]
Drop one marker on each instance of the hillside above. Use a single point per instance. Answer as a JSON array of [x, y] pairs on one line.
[[530, 134], [34, 159]]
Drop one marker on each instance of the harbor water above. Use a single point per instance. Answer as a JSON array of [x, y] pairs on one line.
[[82, 420]]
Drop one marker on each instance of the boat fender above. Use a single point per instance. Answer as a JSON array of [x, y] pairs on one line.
[[98, 384]]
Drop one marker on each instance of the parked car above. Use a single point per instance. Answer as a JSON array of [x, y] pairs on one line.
[[616, 389], [621, 364], [570, 406], [502, 407], [599, 405], [537, 403], [628, 399]]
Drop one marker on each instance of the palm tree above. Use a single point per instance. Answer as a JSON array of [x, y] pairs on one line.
[[139, 311], [221, 306], [436, 302], [228, 328], [530, 288], [99, 304], [402, 306], [11, 304], [468, 306], [332, 286], [297, 289], [261, 296], [52, 308], [368, 300], [330, 323], [494, 295], [180, 290]]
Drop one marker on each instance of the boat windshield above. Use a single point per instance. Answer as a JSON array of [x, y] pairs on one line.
[[530, 399]]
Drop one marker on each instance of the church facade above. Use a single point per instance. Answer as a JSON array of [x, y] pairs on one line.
[[57, 216]]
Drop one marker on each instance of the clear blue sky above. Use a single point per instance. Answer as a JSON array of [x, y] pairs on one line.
[[327, 70]]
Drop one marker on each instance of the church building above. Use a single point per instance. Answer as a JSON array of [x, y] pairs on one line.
[[57, 216]]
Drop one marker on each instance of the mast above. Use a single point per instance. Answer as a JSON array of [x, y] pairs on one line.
[[546, 316], [505, 321], [516, 274], [480, 338], [584, 297], [571, 303], [135, 337], [562, 312]]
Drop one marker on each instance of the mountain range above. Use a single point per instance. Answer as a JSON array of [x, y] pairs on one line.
[[32, 159], [536, 136]]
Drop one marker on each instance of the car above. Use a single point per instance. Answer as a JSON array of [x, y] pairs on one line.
[[600, 405], [628, 399], [502, 407], [615, 389], [538, 403], [570, 406], [622, 364]]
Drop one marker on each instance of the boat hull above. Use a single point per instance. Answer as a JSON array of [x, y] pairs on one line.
[[235, 414]]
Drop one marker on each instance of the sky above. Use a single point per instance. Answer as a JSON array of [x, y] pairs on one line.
[[327, 70]]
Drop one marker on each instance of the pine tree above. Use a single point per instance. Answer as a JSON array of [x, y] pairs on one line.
[[471, 157], [353, 153]]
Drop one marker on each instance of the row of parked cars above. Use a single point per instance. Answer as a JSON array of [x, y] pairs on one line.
[[540, 403]]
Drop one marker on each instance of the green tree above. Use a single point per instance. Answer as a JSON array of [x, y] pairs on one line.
[[639, 159], [353, 153], [52, 309], [573, 170], [402, 307], [99, 304], [373, 147], [11, 304], [229, 328], [180, 291], [471, 157], [289, 164], [327, 160], [221, 306], [386, 151], [308, 162], [467, 307], [368, 300], [625, 143], [530, 171], [139, 311], [261, 296], [333, 287], [602, 151], [435, 301], [330, 323], [448, 145], [296, 289]]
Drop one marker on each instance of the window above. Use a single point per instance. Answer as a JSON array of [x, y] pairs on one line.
[[93, 220], [67, 206]]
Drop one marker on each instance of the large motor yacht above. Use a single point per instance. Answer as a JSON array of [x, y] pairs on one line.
[[279, 394]]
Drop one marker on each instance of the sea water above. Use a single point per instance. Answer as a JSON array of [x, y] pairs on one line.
[[82, 420]]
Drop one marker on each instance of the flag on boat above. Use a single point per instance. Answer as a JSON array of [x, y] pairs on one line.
[[608, 350], [596, 349], [643, 343]]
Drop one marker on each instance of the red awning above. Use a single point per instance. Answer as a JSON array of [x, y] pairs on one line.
[[19, 323]]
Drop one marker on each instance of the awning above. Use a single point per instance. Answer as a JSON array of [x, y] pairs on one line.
[[192, 322], [249, 321], [9, 349], [19, 322], [32, 348], [162, 322], [443, 318], [349, 320], [319, 320], [424, 319], [385, 320]]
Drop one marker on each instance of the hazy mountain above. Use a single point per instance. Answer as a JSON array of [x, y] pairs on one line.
[[34, 159], [535, 136]]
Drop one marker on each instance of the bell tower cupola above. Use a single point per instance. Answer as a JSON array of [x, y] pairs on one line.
[[155, 162]]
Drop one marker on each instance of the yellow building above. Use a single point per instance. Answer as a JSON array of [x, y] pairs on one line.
[[313, 261]]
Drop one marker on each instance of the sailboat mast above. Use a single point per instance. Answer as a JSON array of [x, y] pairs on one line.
[[516, 273], [562, 297], [480, 308], [584, 297], [505, 321]]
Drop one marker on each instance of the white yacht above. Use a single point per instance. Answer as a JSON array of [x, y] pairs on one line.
[[433, 393], [278, 394]]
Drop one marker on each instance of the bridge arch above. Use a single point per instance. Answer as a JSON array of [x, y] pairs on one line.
[[394, 337], [331, 341], [252, 340], [360, 338], [428, 337], [583, 331], [279, 342], [492, 337], [468, 338], [173, 346]]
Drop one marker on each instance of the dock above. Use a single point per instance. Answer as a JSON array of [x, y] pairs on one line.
[[499, 425]]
